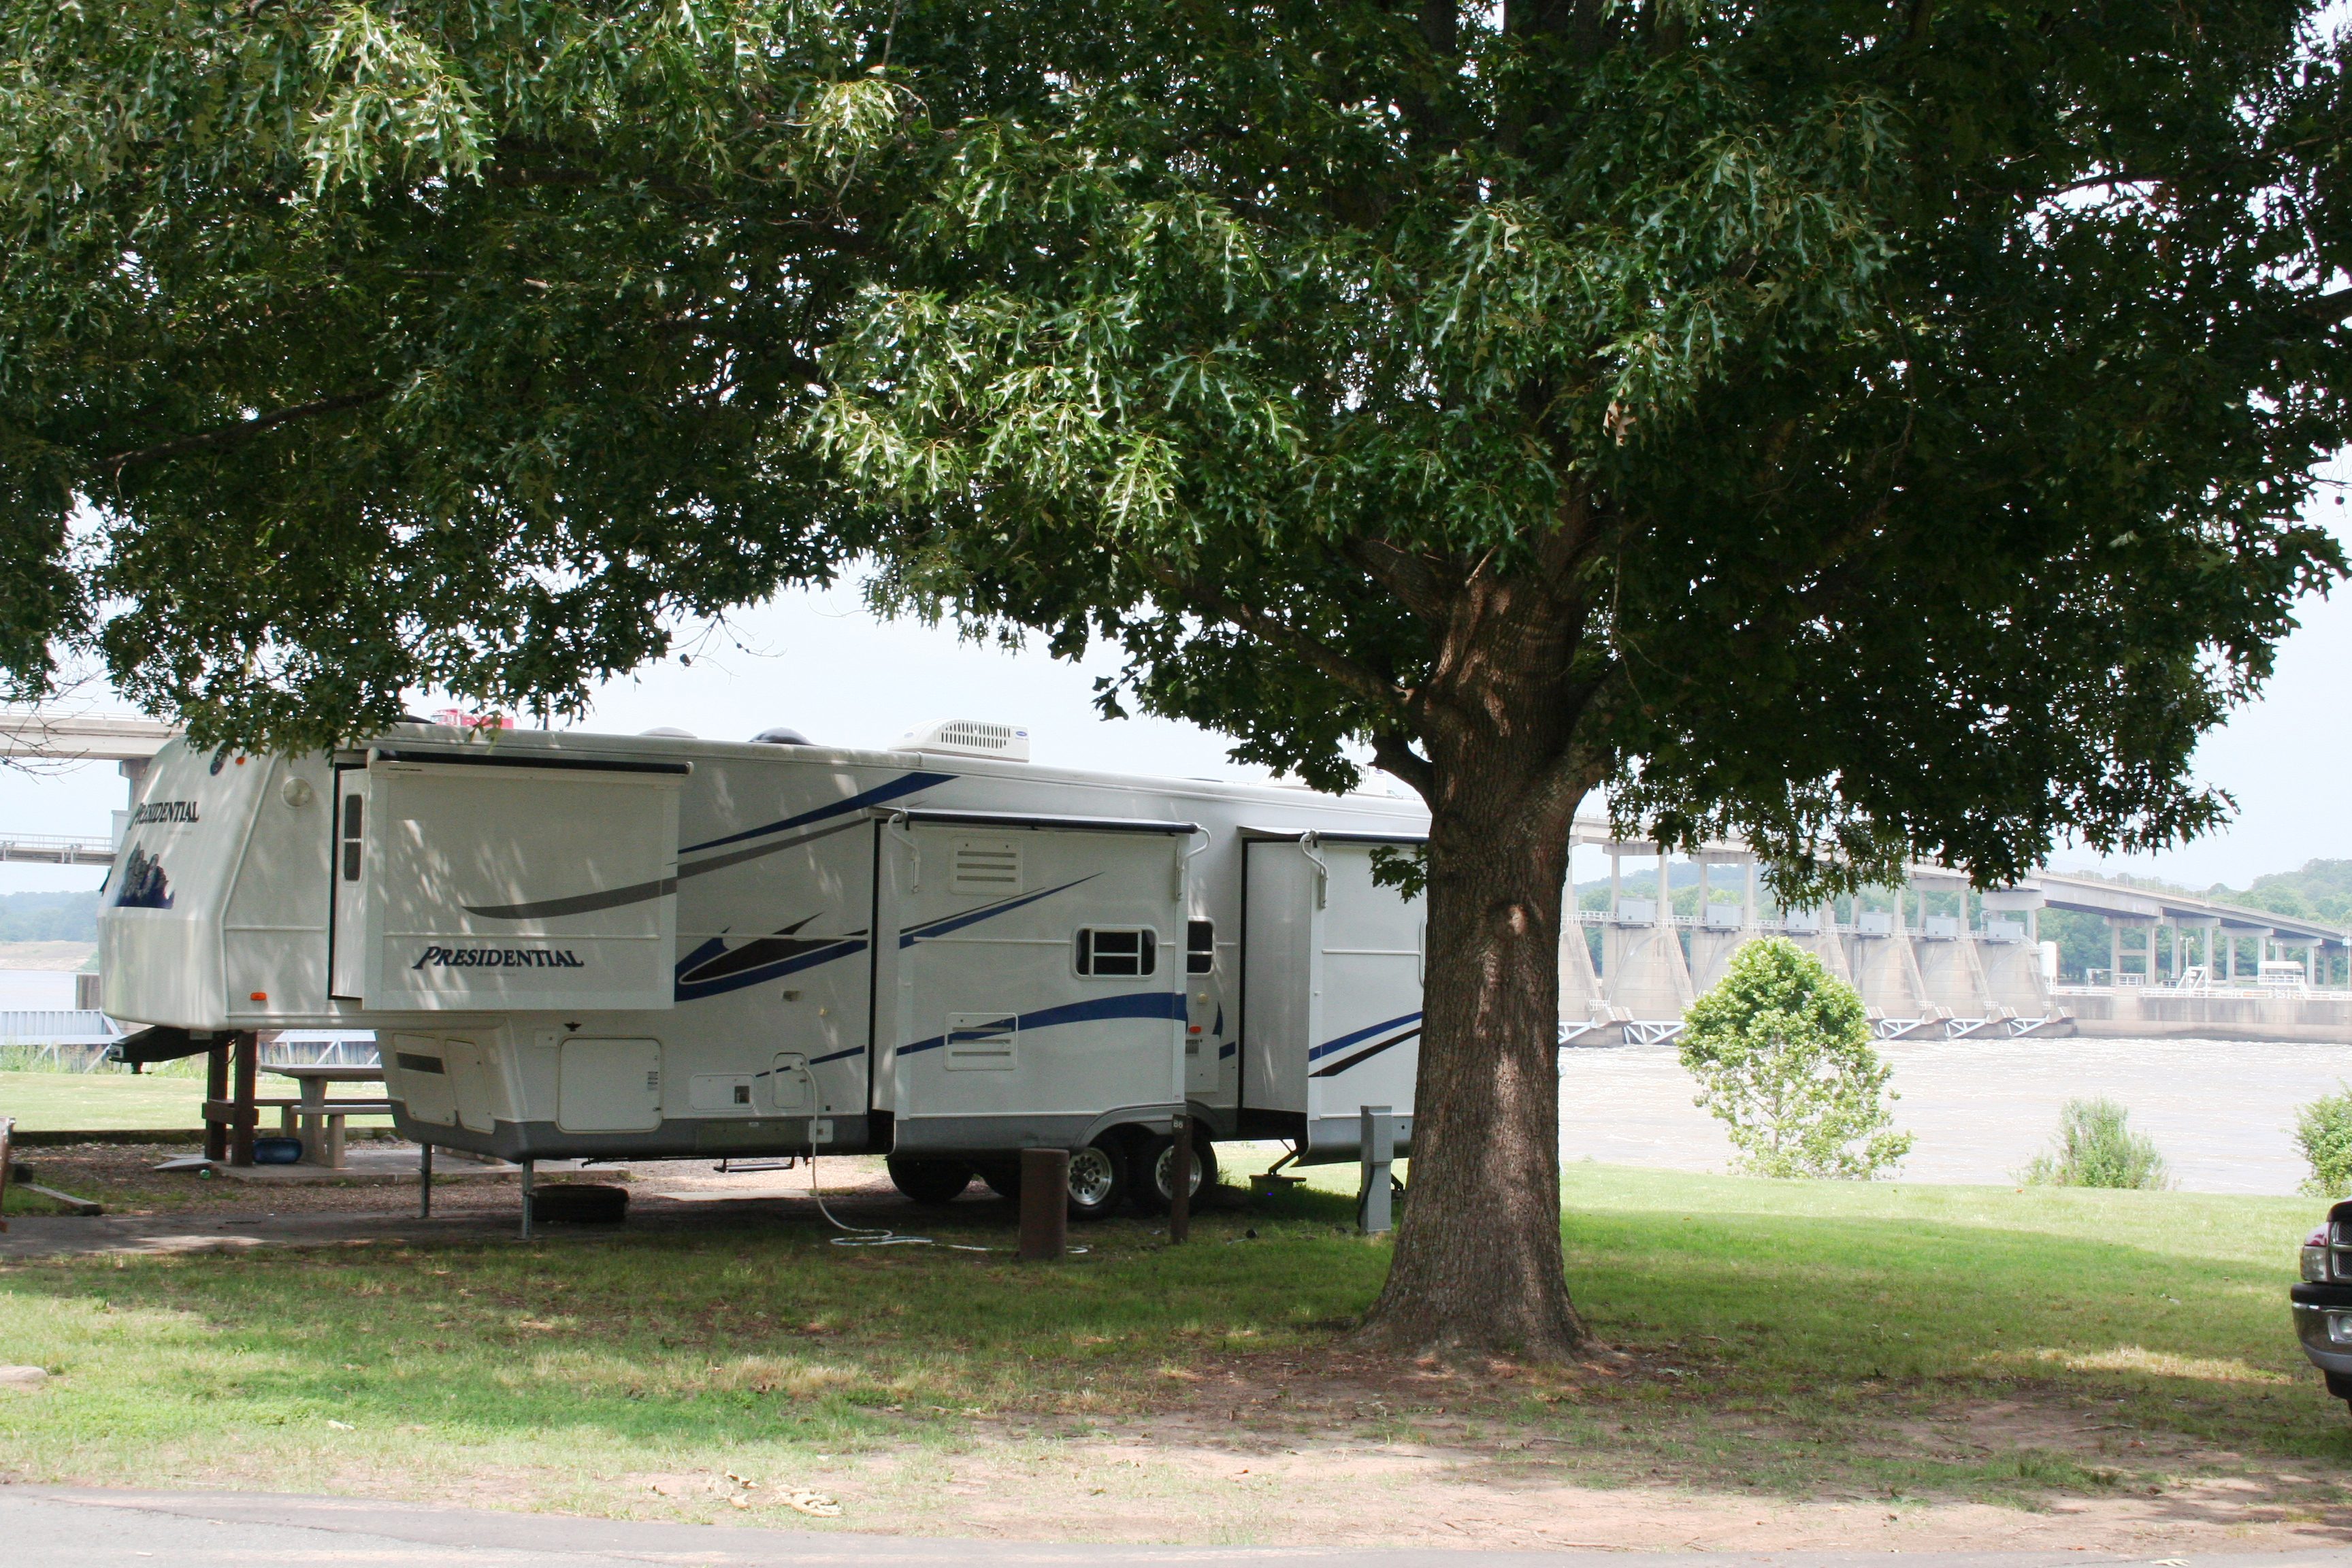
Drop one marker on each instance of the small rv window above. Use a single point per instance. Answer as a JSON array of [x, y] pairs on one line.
[[351, 839], [1116, 952], [1199, 946]]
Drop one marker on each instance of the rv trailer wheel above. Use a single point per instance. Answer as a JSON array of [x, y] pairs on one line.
[[929, 1181], [1099, 1178], [1002, 1176], [1159, 1159]]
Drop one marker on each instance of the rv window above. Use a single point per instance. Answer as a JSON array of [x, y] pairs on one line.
[[351, 839], [1199, 946], [1116, 952]]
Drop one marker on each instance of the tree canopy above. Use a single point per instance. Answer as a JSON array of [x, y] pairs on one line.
[[1881, 430]]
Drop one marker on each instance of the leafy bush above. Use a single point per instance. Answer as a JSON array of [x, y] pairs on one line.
[[2095, 1148], [1782, 1051], [2323, 1129]]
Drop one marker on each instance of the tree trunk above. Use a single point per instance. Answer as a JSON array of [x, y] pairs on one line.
[[1477, 1265]]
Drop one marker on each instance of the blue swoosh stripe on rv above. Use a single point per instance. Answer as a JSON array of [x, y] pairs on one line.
[[1344, 1041], [947, 923], [1168, 1004], [906, 784], [690, 991], [683, 990]]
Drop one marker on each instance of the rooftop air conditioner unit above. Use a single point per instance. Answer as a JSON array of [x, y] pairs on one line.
[[969, 738]]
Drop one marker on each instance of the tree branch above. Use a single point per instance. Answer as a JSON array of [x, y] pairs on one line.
[[1394, 754], [1408, 575], [242, 429], [1358, 678]]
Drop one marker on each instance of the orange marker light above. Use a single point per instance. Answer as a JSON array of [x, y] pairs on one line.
[[261, 996]]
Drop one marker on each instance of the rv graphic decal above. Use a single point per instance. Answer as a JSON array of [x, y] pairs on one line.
[[905, 785], [714, 968], [1168, 1004], [164, 811], [144, 886], [638, 893], [1358, 1038], [947, 923], [499, 958]]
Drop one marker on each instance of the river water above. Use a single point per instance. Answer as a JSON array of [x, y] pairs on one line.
[[2221, 1113]]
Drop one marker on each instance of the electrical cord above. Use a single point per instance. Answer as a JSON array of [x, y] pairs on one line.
[[871, 1236]]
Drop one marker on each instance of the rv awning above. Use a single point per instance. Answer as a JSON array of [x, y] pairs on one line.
[[929, 818], [161, 1044], [543, 760], [1326, 835]]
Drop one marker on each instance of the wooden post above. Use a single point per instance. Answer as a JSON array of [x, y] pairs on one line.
[[425, 1182], [216, 1095], [529, 1169], [1044, 1204], [1180, 1178], [7, 1160], [244, 1057]]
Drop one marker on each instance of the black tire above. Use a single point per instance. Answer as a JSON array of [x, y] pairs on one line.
[[2339, 1385], [1159, 1157], [929, 1181], [1003, 1178], [579, 1203], [1101, 1178]]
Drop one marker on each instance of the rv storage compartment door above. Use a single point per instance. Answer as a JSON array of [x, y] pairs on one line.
[[1040, 978], [1332, 989], [520, 880]]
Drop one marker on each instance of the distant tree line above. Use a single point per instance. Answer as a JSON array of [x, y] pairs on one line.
[[49, 917]]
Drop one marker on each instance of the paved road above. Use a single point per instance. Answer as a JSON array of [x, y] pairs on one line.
[[72, 1527]]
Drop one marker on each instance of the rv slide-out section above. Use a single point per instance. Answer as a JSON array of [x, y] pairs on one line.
[[1331, 988], [614, 946]]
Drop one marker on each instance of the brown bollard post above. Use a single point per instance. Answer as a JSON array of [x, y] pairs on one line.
[[1180, 1179], [245, 1061], [1044, 1204], [216, 1101]]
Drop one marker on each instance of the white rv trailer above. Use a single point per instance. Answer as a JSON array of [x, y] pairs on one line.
[[599, 946]]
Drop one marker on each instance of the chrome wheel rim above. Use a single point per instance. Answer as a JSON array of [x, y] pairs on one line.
[[1166, 1175], [1091, 1177]]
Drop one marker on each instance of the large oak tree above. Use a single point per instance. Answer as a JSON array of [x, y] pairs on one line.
[[1877, 429]]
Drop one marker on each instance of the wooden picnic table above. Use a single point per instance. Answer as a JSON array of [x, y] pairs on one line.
[[317, 1121]]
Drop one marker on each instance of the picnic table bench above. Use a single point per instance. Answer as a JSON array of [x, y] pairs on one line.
[[317, 1119]]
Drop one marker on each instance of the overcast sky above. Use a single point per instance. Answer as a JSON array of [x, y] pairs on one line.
[[820, 664]]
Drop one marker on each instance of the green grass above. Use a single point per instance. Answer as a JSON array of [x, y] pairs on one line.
[[64, 1101], [1832, 1307], [110, 1100], [1784, 1334]]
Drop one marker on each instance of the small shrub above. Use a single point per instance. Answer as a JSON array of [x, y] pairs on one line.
[[1781, 1050], [2323, 1129], [2096, 1148]]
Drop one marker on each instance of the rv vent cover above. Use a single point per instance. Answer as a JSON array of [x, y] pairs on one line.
[[969, 738], [984, 866]]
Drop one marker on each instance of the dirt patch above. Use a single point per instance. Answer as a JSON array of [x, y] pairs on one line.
[[123, 1177]]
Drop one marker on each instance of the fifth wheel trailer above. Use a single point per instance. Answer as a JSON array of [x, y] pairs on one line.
[[595, 946]]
